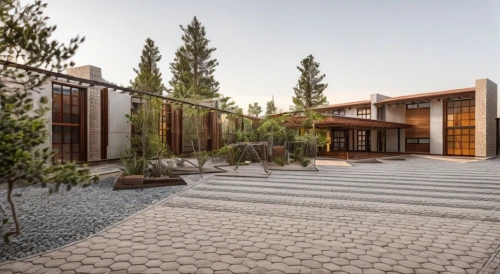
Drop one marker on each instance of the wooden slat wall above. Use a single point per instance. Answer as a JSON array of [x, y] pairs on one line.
[[420, 119], [104, 124], [176, 130]]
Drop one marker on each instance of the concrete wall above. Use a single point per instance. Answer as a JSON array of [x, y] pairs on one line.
[[436, 125], [392, 140], [118, 125], [397, 114], [486, 111], [374, 113]]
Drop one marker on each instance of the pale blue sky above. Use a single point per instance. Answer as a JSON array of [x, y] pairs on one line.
[[391, 47]]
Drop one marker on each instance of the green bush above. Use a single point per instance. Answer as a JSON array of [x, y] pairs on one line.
[[305, 162], [279, 161]]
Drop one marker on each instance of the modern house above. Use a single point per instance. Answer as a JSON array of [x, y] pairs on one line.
[[460, 122], [87, 118]]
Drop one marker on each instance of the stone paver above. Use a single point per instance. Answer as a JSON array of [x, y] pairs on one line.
[[413, 216]]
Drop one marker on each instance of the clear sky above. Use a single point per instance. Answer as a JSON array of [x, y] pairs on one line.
[[391, 47]]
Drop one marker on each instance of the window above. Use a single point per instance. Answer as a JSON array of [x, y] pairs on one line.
[[364, 113], [418, 105], [460, 127], [340, 112], [339, 140], [418, 141], [381, 113], [67, 103], [165, 124], [362, 140]]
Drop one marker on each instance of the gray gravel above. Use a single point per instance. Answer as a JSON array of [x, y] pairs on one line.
[[49, 221]]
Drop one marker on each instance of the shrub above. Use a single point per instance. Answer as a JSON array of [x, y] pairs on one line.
[[305, 162], [279, 161]]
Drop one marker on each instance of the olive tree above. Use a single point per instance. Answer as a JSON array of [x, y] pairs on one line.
[[25, 38]]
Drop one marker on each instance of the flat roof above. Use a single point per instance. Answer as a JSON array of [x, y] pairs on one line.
[[356, 123], [424, 96], [345, 105]]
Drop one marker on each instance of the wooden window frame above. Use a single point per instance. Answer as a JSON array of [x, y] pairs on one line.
[[364, 113], [418, 105], [361, 141], [82, 112], [339, 140], [338, 112]]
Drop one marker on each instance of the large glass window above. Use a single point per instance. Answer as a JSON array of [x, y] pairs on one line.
[[364, 113], [339, 140], [66, 122], [460, 127]]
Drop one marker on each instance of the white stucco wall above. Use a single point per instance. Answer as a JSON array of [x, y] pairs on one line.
[[351, 112], [436, 124], [395, 114], [374, 114], [118, 125]]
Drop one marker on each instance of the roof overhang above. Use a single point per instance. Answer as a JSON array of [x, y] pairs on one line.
[[357, 123], [426, 97]]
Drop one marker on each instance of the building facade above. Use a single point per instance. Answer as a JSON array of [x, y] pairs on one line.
[[461, 122]]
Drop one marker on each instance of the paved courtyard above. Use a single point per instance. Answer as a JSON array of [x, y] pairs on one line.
[[415, 216]]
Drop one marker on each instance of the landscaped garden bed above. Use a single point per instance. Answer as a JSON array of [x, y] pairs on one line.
[[50, 221]]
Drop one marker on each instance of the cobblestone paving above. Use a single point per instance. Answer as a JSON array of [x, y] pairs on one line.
[[419, 216]]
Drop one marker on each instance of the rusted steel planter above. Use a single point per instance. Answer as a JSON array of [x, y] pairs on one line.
[[138, 181]]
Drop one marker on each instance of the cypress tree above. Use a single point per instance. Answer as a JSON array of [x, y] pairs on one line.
[[309, 89], [193, 68], [148, 76]]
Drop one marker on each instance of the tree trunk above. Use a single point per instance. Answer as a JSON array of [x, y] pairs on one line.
[[14, 215]]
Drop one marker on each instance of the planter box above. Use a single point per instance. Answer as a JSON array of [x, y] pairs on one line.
[[131, 180], [138, 181]]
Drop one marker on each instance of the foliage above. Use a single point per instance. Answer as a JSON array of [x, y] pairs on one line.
[[318, 137], [202, 157], [273, 132], [144, 157], [271, 107], [305, 162], [148, 76], [309, 89], [25, 38], [193, 68], [254, 109], [133, 163], [279, 161]]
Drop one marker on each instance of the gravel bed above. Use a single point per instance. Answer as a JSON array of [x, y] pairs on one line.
[[50, 221]]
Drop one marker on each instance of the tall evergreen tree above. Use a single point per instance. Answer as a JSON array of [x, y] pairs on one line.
[[309, 89], [148, 76], [193, 68], [254, 109], [271, 107]]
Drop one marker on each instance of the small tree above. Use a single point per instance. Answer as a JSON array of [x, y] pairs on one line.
[[309, 89], [271, 107], [25, 38], [254, 109], [148, 76]]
